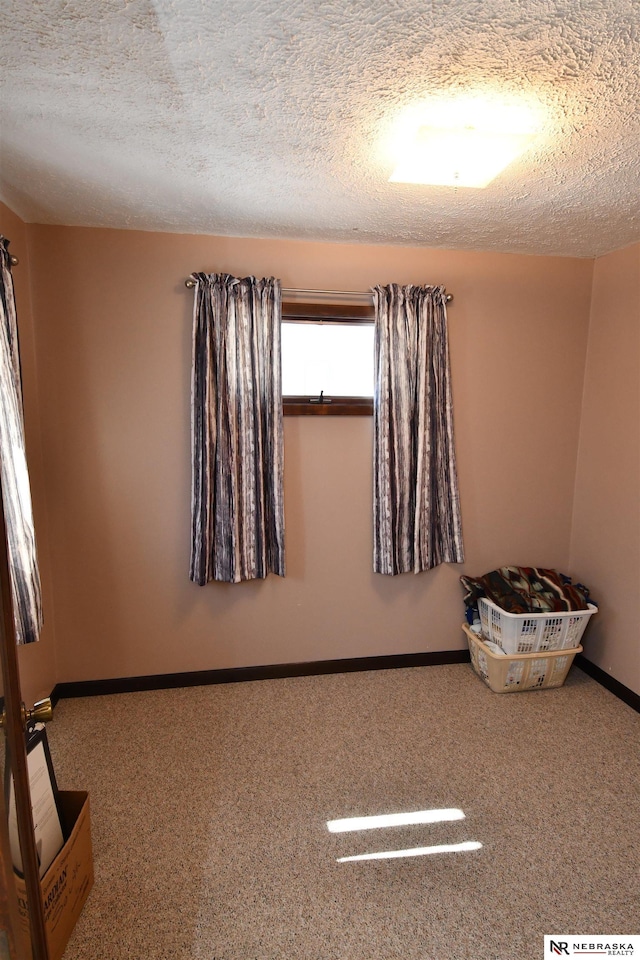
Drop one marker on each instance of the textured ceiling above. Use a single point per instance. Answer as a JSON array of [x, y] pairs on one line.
[[268, 118]]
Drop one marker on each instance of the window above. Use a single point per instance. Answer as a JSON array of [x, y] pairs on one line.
[[327, 359]]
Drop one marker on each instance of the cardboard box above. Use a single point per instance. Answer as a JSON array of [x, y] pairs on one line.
[[67, 882]]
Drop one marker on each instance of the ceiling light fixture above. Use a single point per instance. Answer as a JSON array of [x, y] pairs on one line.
[[465, 143]]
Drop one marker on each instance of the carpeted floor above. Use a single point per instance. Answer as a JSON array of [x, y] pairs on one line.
[[210, 808]]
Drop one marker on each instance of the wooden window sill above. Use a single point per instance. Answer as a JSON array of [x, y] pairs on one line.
[[335, 407]]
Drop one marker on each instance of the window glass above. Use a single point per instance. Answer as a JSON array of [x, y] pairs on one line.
[[333, 358]]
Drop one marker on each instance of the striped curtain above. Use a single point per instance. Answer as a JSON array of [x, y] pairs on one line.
[[237, 508], [416, 505], [16, 492]]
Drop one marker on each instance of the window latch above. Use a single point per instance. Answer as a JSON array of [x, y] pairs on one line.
[[320, 399]]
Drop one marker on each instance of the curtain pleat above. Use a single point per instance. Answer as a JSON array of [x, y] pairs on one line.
[[416, 506], [16, 491], [237, 437]]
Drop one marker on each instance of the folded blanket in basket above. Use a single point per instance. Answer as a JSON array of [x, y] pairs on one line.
[[525, 590]]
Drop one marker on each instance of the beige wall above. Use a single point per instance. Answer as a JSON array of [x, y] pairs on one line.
[[36, 660], [113, 342], [106, 377], [605, 544]]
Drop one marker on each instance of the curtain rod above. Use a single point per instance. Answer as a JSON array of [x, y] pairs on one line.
[[292, 294]]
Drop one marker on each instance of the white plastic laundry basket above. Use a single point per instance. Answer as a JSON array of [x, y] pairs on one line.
[[531, 632]]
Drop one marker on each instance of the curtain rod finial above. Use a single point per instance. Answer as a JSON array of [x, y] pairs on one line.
[[190, 283], [14, 260]]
